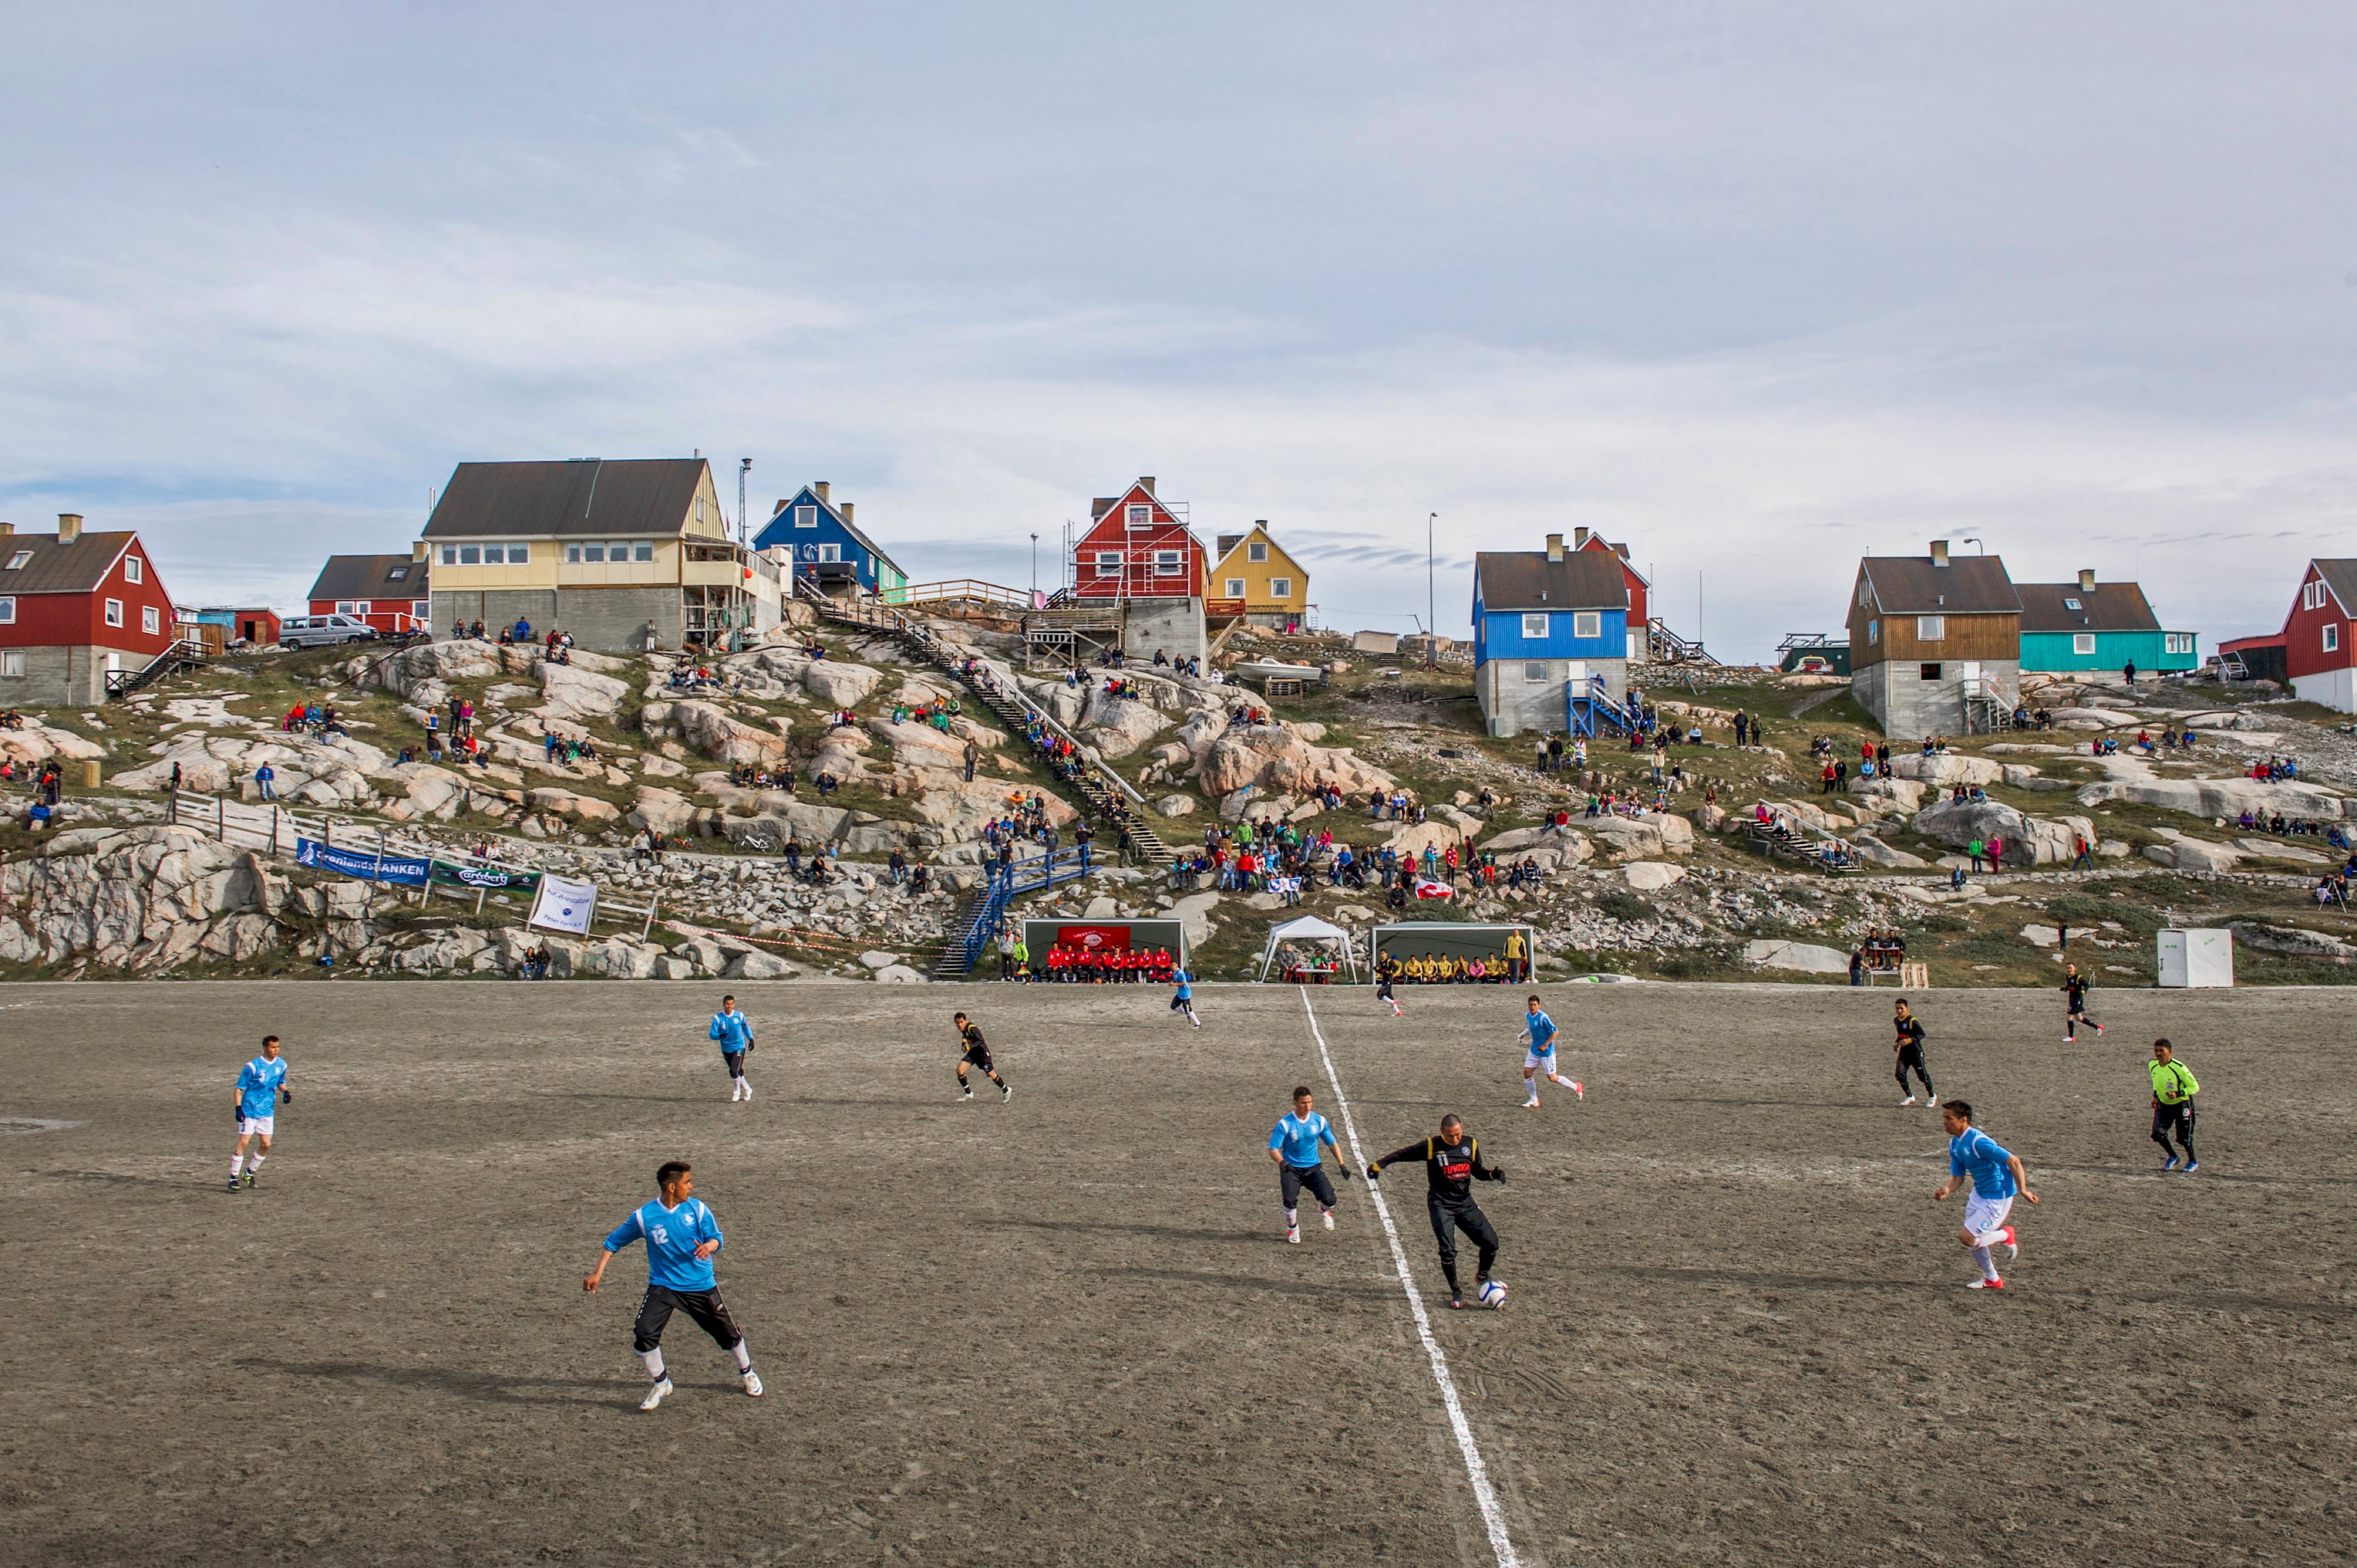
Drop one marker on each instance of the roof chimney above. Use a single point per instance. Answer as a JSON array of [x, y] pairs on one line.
[[1145, 482], [820, 488], [417, 550], [1554, 546], [846, 509], [2087, 580], [69, 527], [1939, 553], [1580, 539], [7, 529]]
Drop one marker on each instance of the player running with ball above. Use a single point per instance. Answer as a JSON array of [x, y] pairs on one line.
[[682, 1236], [1452, 1164], [1294, 1149], [1538, 1034], [1996, 1175]]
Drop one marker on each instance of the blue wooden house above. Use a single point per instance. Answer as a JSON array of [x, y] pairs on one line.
[[828, 549], [1550, 637]]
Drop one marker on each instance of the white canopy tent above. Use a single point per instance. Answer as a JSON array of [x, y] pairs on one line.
[[1310, 928]]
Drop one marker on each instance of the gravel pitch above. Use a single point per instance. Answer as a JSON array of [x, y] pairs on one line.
[[1067, 1329]]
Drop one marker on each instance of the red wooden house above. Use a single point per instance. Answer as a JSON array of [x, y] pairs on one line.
[[75, 608], [1138, 547], [388, 591], [2319, 636], [1640, 614]]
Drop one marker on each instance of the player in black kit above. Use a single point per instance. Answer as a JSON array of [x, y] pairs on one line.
[[1452, 1164], [2075, 1013], [1907, 1050], [977, 1054]]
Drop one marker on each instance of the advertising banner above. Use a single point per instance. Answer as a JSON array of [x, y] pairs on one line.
[[410, 870], [561, 905], [475, 874]]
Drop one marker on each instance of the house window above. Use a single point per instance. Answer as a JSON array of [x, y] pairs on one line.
[[421, 608], [1534, 671], [644, 550], [1108, 563], [7, 609], [1928, 672], [132, 572], [2311, 596], [1874, 631], [1141, 517], [1864, 593], [17, 561], [2083, 642], [830, 552], [2071, 603], [1536, 626], [449, 556], [2331, 635], [151, 621], [115, 612], [1168, 563], [1257, 551], [396, 575], [471, 555], [805, 517], [1931, 628], [1280, 588], [1588, 623], [1235, 587], [345, 606], [12, 664], [361, 607]]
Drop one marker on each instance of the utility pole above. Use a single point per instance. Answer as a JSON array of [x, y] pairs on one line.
[[744, 467], [1431, 598]]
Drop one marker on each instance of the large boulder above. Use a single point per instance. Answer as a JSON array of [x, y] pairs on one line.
[[1807, 957], [573, 693], [1874, 852], [1652, 875], [1118, 727], [1945, 769], [1625, 835], [717, 735], [665, 810], [839, 684], [2220, 796], [1957, 823], [2192, 855], [1906, 794], [587, 808]]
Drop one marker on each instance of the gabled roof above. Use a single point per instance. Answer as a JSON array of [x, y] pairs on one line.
[[1597, 542], [55, 568], [808, 496], [1527, 580], [1966, 585], [1232, 543], [370, 577], [2108, 606], [1103, 507], [581, 498], [2340, 577]]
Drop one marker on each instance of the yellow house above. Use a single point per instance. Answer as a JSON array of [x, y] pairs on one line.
[[1252, 567], [623, 555]]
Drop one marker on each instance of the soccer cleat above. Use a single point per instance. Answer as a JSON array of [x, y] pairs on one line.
[[1530, 1105], [2170, 1164], [249, 1178], [234, 1184], [655, 1394], [752, 1382], [2192, 1165], [1293, 1235], [1985, 1285], [1006, 1092], [1909, 1101], [1330, 1217], [748, 1092], [2099, 1028], [1457, 1301], [965, 1094], [1577, 1091]]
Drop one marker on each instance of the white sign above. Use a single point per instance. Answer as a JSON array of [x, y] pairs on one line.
[[2196, 958], [562, 906]]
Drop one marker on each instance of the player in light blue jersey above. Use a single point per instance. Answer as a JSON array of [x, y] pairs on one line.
[[261, 1085], [1538, 1034], [680, 1236], [1294, 1147], [734, 1033], [1997, 1178], [1182, 995]]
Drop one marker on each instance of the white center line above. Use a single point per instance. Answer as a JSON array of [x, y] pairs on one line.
[[1501, 1545]]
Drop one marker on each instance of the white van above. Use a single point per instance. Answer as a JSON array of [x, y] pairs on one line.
[[323, 631]]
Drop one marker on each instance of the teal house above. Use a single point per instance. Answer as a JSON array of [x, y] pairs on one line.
[[2088, 625]]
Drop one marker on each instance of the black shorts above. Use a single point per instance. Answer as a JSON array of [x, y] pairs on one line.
[[735, 1062], [1291, 1179], [1182, 1004], [710, 1314], [977, 1054]]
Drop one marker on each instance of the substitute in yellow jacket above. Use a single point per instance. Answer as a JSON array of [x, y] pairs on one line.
[[2173, 1090]]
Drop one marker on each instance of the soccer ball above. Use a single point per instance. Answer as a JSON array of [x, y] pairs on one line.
[[1493, 1294]]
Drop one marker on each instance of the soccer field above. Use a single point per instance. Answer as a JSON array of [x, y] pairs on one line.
[[1067, 1329]]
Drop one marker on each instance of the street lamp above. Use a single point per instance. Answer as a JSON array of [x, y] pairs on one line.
[[1035, 567], [744, 467], [1431, 600]]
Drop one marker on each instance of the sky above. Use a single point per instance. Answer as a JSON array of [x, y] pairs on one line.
[[1756, 290]]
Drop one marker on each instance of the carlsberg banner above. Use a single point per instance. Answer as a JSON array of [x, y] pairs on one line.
[[475, 874]]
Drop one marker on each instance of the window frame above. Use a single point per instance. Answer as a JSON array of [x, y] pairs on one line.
[[1586, 624], [113, 610], [2082, 644], [806, 515], [1256, 552], [151, 621], [467, 550], [2333, 636], [13, 664], [1927, 671], [1137, 514], [1873, 631], [1108, 564], [1169, 563], [1931, 628], [830, 554], [134, 570], [2072, 605], [18, 561], [1536, 672], [1546, 625], [1237, 588], [1280, 588], [642, 552], [7, 609]]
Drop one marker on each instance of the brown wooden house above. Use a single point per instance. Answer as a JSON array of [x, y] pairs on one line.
[[1935, 643]]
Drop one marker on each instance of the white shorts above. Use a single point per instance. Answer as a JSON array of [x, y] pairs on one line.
[[1982, 1215], [249, 1126], [1542, 1061]]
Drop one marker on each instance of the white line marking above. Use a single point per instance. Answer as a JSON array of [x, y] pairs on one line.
[[1501, 1545]]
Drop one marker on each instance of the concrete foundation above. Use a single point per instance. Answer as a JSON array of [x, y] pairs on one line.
[[603, 621], [1511, 702], [2332, 688], [56, 676], [1908, 707], [1174, 626]]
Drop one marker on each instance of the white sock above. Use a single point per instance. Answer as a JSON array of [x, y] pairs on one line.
[[744, 1357], [236, 1164], [1988, 1263], [1292, 1218], [653, 1359], [255, 1164], [1989, 1237]]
